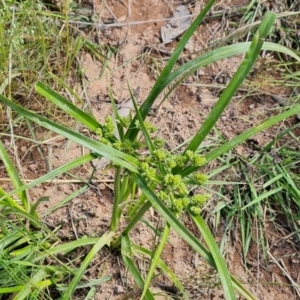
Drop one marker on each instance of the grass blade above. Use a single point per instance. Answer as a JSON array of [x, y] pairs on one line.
[[127, 258], [217, 54], [13, 175], [263, 196], [225, 148], [155, 258], [251, 132], [160, 82], [32, 285], [27, 216], [67, 106], [104, 240], [118, 157], [184, 232], [64, 202], [142, 125], [5, 200], [168, 272], [63, 287], [66, 248], [214, 249], [236, 81], [64, 168]]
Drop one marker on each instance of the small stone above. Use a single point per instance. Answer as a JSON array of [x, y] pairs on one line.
[[251, 106], [102, 186], [23, 149], [32, 167], [223, 118], [119, 289]]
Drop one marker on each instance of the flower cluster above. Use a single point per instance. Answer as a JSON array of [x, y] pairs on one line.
[[161, 166], [106, 133], [173, 188], [106, 136]]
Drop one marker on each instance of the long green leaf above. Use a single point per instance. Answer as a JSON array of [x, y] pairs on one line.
[[263, 196], [67, 106], [155, 258], [9, 239], [214, 249], [6, 200], [162, 265], [60, 170], [66, 200], [96, 282], [34, 283], [33, 220], [181, 73], [104, 240], [24, 291], [251, 132], [225, 148], [13, 175], [118, 157], [236, 81], [184, 232], [160, 82], [141, 123], [66, 247], [128, 260]]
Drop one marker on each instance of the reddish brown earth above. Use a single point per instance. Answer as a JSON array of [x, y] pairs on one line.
[[137, 62]]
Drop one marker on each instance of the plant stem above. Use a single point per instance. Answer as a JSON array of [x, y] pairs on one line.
[[156, 258], [140, 202], [136, 206], [117, 197], [132, 223]]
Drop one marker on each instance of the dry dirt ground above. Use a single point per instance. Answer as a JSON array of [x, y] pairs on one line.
[[139, 58]]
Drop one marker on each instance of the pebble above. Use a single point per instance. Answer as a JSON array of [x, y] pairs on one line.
[[223, 118], [251, 106], [32, 167], [23, 149], [119, 289], [102, 186]]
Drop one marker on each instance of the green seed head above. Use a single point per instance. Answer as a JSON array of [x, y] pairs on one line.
[[170, 164], [199, 199], [172, 181], [160, 155], [200, 178], [158, 143], [109, 125], [195, 210], [198, 160]]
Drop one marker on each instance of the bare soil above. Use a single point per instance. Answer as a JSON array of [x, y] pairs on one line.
[[138, 61]]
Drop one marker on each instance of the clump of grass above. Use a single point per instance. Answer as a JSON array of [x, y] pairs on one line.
[[163, 178], [270, 192], [39, 44], [26, 244]]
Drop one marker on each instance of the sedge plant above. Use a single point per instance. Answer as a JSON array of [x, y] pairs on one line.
[[163, 177]]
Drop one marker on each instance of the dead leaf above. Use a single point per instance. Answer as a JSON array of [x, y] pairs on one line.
[[177, 25]]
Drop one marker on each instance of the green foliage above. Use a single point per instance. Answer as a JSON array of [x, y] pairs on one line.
[[164, 177]]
